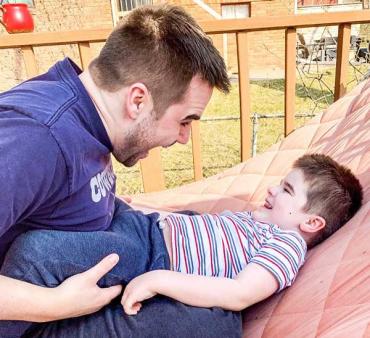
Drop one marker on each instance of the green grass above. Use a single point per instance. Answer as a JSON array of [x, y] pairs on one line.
[[221, 139]]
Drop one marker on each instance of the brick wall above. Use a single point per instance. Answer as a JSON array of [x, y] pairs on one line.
[[54, 16], [266, 52], [266, 48]]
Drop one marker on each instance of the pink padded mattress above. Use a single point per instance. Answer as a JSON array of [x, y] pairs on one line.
[[331, 296]]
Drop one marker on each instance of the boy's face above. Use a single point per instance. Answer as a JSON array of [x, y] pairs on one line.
[[284, 203]]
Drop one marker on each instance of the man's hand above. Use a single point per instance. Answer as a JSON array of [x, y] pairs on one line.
[[80, 295], [139, 289], [76, 296]]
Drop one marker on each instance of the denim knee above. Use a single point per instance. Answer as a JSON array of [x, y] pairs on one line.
[[47, 258], [25, 255]]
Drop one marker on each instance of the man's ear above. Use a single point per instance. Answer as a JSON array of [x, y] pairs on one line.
[[137, 98], [313, 224]]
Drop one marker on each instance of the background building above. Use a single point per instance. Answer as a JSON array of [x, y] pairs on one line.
[[266, 51]]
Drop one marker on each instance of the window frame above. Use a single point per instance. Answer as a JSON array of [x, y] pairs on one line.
[[229, 4], [329, 3], [118, 13]]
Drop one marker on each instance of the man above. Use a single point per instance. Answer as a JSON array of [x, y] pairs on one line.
[[153, 77]]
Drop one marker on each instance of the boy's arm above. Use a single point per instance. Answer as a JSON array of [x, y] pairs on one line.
[[250, 286], [24, 301]]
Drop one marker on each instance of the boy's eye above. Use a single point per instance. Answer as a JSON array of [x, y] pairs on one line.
[[185, 124], [286, 190]]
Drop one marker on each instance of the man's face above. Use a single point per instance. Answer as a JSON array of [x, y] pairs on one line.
[[284, 203], [172, 127]]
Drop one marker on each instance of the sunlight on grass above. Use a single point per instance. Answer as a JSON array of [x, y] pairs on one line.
[[221, 138]]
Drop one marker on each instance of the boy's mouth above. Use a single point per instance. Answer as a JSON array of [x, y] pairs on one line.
[[267, 205]]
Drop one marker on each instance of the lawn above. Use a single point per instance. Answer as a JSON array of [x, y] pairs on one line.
[[220, 129]]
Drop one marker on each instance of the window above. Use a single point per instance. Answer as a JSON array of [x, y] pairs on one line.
[[309, 3], [128, 5], [28, 2], [121, 7], [235, 11]]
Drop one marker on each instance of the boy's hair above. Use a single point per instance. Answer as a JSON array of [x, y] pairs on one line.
[[162, 47], [333, 192]]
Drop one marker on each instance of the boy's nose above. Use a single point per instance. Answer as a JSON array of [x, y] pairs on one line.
[[272, 190]]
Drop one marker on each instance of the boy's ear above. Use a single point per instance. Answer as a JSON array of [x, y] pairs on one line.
[[137, 98], [313, 224]]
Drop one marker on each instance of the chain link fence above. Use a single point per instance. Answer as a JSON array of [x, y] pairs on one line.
[[220, 137], [220, 125]]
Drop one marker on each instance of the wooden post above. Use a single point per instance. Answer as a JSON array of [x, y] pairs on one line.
[[85, 54], [290, 80], [244, 94], [197, 157], [152, 172], [29, 61], [344, 37]]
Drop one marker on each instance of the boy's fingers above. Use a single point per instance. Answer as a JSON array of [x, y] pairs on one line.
[[135, 308], [124, 297], [127, 304], [103, 267], [132, 308]]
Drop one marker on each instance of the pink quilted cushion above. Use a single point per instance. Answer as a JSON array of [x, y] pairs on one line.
[[331, 295]]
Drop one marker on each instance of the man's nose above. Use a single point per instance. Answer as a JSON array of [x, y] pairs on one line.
[[184, 134]]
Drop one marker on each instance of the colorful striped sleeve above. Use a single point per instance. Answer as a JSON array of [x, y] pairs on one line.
[[282, 255]]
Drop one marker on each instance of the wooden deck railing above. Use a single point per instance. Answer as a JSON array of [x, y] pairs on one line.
[[151, 169]]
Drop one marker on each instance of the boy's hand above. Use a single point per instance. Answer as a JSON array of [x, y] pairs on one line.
[[139, 289]]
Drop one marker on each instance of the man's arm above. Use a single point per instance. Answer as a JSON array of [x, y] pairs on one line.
[[250, 286], [76, 296]]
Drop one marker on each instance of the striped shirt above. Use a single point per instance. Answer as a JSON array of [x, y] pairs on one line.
[[223, 244]]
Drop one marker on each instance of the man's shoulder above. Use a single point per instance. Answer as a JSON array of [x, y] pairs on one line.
[[47, 96], [39, 99], [20, 132], [27, 146]]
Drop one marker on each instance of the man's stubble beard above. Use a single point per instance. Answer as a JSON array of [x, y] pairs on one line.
[[138, 140]]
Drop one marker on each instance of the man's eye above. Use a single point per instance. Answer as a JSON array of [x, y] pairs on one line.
[[286, 190], [185, 124]]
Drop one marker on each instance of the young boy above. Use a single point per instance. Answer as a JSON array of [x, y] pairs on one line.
[[233, 260], [228, 260]]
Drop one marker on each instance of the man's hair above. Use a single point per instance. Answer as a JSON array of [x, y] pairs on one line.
[[333, 192], [162, 47]]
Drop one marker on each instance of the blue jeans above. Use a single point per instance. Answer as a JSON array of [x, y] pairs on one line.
[[47, 258]]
